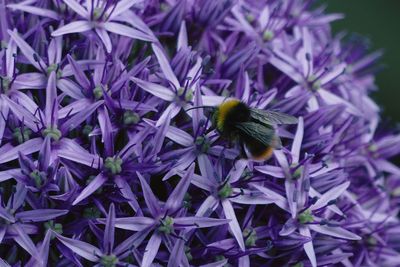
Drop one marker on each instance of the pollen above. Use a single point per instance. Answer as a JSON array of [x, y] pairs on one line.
[[223, 110]]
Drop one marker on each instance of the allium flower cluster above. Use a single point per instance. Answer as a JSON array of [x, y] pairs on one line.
[[103, 164]]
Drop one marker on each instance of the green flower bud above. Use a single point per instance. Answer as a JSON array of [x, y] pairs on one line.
[[98, 92], [22, 135], [305, 217], [225, 191], [166, 225], [202, 144], [91, 213], [251, 237], [131, 117], [268, 35], [109, 260], [53, 132], [113, 165]]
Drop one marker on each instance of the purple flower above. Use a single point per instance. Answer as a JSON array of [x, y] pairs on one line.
[[109, 156]]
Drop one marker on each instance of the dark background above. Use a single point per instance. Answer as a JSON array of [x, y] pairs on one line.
[[379, 21]]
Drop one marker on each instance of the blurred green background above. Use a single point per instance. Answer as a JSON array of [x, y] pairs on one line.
[[379, 21]]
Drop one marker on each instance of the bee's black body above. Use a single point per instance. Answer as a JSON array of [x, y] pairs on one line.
[[252, 128]]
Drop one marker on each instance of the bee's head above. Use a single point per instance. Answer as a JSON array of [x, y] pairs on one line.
[[231, 112]]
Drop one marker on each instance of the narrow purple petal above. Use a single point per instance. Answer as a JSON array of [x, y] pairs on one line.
[[182, 37], [233, 224], [332, 99], [75, 6], [27, 50], [273, 171], [330, 195], [31, 80], [22, 114], [83, 249], [155, 89], [134, 223], [51, 107], [165, 67], [334, 231], [298, 138], [79, 74], [5, 214], [198, 222], [95, 184], [127, 193], [151, 250], [279, 200], [73, 27], [25, 241], [179, 136], [4, 109], [169, 113], [81, 116], [39, 215], [44, 247], [121, 29], [176, 253], [105, 38], [108, 241], [175, 199], [149, 197], [70, 88], [27, 148], [35, 10], [309, 247], [71, 150], [123, 6]]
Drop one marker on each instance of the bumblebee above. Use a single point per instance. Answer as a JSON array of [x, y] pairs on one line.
[[253, 129]]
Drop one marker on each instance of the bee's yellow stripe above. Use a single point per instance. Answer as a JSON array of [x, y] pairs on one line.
[[223, 110], [266, 154]]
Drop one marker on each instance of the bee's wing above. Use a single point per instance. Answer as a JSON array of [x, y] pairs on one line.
[[271, 117], [263, 134]]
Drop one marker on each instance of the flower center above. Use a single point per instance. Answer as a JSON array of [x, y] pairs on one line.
[[314, 83], [131, 117], [186, 95], [166, 225], [91, 213], [225, 191], [98, 92], [299, 264], [97, 13], [268, 35], [5, 83], [250, 17], [297, 171], [371, 241], [113, 165], [188, 254], [38, 178], [53, 133], [305, 217], [21, 134], [109, 260], [250, 236], [55, 227], [87, 129], [187, 201], [202, 144], [51, 68]]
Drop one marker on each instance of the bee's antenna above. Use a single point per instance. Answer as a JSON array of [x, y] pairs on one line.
[[198, 107]]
